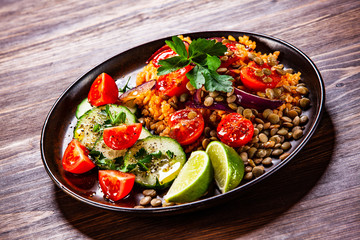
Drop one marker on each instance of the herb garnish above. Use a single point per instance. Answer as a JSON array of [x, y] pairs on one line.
[[104, 163], [118, 118], [204, 54], [143, 157]]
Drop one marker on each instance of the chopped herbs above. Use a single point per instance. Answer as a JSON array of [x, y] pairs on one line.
[[204, 54], [118, 118], [104, 163], [170, 154]]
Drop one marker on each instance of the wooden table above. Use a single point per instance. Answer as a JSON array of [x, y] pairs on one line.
[[47, 45]]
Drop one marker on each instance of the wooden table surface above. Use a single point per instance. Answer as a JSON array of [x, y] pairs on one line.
[[46, 45]]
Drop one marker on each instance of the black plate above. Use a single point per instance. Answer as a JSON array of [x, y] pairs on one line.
[[58, 126]]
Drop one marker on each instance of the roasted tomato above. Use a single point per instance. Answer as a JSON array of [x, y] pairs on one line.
[[256, 78], [232, 58], [103, 91], [122, 136], [75, 159], [115, 184], [235, 130], [174, 83], [163, 55], [186, 126]]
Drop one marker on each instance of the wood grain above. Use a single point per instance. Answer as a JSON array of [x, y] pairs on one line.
[[47, 45]]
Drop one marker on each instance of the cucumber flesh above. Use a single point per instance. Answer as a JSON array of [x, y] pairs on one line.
[[84, 129], [109, 153], [162, 171], [82, 108]]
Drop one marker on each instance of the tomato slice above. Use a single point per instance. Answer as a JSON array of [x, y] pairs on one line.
[[174, 83], [163, 55], [257, 83], [231, 59], [75, 159], [122, 136], [235, 130], [103, 91], [186, 126], [115, 184]]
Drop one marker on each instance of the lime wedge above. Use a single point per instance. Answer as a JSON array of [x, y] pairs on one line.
[[227, 164], [193, 180]]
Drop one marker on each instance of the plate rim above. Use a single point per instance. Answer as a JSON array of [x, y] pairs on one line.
[[209, 201]]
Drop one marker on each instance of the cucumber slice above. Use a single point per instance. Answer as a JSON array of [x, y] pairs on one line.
[[109, 153], [84, 129], [82, 108], [163, 170]]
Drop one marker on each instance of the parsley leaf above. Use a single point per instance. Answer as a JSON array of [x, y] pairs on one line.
[[172, 64], [170, 154], [204, 54], [178, 46]]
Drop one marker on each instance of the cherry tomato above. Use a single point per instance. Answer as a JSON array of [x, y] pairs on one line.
[[103, 91], [163, 55], [186, 126], [257, 83], [174, 83], [235, 130], [115, 184], [122, 136], [231, 59], [75, 159]]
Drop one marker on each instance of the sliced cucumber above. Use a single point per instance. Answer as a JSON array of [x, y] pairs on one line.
[[82, 108], [84, 129], [161, 171], [109, 153]]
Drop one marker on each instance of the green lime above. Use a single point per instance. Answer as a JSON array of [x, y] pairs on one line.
[[193, 180], [227, 164]]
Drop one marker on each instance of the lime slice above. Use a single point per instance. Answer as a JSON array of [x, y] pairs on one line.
[[227, 164], [193, 180]]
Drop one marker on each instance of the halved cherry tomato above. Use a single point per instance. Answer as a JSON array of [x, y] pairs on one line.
[[174, 83], [256, 83], [122, 136], [115, 184], [75, 159], [235, 130], [163, 55], [186, 126], [231, 59], [103, 91]]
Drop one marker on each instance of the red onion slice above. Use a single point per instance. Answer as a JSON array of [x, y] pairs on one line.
[[249, 100], [135, 92]]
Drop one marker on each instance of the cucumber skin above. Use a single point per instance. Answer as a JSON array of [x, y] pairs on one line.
[[130, 118], [131, 152], [83, 108]]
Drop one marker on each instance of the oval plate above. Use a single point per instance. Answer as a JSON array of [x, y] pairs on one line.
[[57, 131]]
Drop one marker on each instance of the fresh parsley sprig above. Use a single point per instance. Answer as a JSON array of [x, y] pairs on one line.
[[204, 54]]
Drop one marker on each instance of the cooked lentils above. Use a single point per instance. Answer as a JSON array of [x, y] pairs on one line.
[[274, 129]]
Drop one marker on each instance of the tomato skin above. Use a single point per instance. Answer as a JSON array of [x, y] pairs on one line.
[[174, 83], [186, 130], [103, 91], [75, 159], [256, 83], [163, 55], [115, 184], [233, 58], [122, 136], [235, 130]]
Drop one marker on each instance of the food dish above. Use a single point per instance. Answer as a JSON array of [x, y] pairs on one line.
[[290, 57]]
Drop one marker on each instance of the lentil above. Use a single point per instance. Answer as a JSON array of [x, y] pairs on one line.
[[258, 171], [156, 202], [145, 200], [149, 192], [267, 161]]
